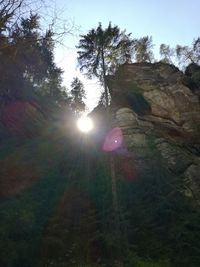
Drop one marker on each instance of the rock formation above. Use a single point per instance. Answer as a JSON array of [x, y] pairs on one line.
[[158, 113]]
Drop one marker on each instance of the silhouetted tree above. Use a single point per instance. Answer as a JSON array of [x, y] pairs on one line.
[[100, 53], [27, 67], [8, 12], [102, 100], [77, 95], [102, 50]]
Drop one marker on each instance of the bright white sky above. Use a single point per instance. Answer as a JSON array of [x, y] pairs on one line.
[[167, 21]]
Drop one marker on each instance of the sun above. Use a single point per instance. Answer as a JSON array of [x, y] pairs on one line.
[[85, 124]]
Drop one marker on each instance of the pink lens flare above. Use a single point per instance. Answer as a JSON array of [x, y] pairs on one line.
[[113, 139]]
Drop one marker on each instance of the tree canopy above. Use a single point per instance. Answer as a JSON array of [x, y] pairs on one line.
[[188, 54], [166, 53], [143, 49], [27, 63], [100, 51]]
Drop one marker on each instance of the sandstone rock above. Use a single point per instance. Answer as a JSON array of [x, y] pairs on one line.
[[169, 129], [136, 140], [176, 159], [133, 129], [125, 117], [162, 87]]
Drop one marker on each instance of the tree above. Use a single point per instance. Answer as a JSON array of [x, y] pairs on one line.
[[101, 51], [20, 59], [166, 52], [77, 95], [102, 100], [196, 49], [8, 12], [143, 49], [27, 68], [188, 54], [184, 55]]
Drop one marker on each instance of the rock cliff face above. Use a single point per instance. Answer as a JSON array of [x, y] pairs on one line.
[[159, 114]]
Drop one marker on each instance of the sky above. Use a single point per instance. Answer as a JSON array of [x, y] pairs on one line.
[[171, 22]]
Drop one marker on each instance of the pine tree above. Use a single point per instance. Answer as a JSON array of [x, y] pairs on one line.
[[101, 51], [77, 95]]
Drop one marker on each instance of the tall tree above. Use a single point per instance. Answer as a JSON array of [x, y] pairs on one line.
[[101, 50], [77, 95], [27, 67], [143, 49]]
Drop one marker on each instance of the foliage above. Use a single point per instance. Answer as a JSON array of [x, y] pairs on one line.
[[166, 53], [186, 55], [133, 260], [143, 49], [102, 50], [24, 216], [27, 64], [77, 95], [9, 11], [67, 214]]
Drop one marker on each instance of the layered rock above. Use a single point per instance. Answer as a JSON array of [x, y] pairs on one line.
[[168, 120]]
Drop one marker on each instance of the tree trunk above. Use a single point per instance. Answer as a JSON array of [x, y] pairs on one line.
[[114, 194], [115, 203], [104, 80]]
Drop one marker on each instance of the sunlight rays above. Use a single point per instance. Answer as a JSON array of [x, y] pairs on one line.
[[85, 124]]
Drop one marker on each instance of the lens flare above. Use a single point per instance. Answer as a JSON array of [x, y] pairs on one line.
[[85, 124], [113, 140]]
